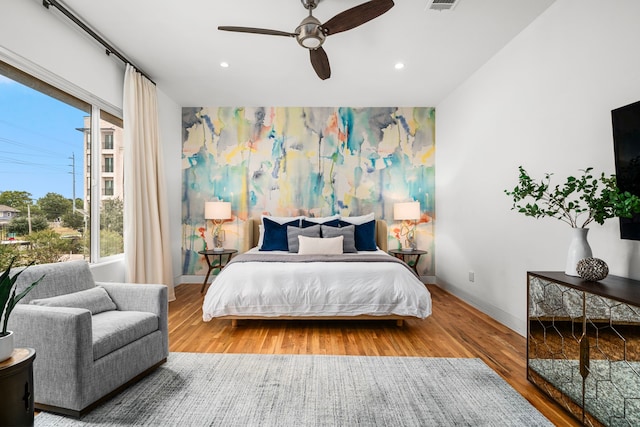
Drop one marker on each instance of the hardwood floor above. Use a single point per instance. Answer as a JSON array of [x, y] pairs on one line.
[[454, 330]]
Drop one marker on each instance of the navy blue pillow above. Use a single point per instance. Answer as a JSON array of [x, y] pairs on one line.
[[365, 235], [275, 235], [330, 223]]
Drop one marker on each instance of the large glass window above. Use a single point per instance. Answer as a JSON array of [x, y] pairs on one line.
[[47, 174]]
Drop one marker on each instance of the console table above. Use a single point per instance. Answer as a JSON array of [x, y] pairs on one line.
[[16, 388], [583, 345]]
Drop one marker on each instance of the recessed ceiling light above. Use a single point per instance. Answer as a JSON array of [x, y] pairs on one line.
[[224, 64], [399, 66]]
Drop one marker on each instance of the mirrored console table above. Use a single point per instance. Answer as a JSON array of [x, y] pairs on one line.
[[583, 345]]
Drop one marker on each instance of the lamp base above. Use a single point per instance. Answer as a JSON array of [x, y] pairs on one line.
[[218, 249]]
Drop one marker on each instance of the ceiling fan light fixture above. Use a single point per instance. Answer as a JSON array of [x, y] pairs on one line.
[[308, 33]]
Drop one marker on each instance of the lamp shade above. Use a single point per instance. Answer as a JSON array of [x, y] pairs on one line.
[[406, 210], [217, 210]]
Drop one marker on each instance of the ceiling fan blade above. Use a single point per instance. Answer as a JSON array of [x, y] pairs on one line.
[[320, 62], [356, 16], [257, 31]]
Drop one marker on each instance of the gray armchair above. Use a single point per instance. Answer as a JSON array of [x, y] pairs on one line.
[[91, 339]]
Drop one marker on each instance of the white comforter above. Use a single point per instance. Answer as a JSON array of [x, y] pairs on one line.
[[314, 289]]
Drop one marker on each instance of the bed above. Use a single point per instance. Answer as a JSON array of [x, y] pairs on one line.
[[279, 284]]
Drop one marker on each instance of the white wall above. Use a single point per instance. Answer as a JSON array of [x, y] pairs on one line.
[[543, 102], [170, 122], [55, 46]]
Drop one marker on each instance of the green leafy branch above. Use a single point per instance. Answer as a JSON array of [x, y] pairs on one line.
[[597, 198]]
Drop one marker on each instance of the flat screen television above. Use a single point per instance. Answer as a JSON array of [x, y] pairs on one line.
[[626, 143]]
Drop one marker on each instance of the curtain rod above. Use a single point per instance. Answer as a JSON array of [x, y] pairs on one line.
[[108, 48]]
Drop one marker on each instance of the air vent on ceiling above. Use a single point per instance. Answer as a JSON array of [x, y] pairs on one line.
[[441, 5]]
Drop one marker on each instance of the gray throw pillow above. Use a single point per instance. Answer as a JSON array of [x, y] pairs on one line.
[[349, 242], [96, 300], [294, 232]]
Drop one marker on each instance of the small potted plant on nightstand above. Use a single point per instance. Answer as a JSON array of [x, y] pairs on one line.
[[599, 198], [8, 300]]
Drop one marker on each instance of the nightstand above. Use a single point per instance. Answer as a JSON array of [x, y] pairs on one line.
[[16, 388], [211, 255], [398, 253]]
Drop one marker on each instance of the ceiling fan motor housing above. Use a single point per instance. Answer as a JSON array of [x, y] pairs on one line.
[[309, 34]]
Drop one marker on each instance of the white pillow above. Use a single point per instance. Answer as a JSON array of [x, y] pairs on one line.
[[321, 219], [358, 220], [279, 220], [319, 245]]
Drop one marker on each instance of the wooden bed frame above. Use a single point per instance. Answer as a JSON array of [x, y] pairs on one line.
[[252, 233]]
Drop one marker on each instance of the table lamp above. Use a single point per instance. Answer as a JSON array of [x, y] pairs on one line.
[[408, 213], [217, 212]]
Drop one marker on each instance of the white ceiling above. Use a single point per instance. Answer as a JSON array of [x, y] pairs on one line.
[[178, 45]]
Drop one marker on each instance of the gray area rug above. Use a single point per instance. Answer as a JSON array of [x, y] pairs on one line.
[[195, 389]]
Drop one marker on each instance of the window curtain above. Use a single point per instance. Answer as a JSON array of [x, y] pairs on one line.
[[146, 214]]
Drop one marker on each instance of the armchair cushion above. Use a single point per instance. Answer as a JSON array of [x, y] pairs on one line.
[[115, 329], [96, 300]]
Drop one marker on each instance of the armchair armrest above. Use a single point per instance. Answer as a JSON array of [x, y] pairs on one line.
[[60, 329], [138, 297], [62, 339]]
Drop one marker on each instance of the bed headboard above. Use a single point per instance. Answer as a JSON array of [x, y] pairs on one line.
[[381, 233]]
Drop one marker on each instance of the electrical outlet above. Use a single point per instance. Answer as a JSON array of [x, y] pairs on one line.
[[472, 276]]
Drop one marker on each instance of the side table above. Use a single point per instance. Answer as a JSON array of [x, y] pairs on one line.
[[210, 255], [16, 388], [398, 253]]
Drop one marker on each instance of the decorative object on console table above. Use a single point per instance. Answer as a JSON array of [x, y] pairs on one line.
[[578, 250], [599, 198], [16, 388], [592, 269], [210, 255], [217, 212], [583, 345], [8, 300], [408, 213]]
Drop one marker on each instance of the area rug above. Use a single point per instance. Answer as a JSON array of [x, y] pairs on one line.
[[195, 389]]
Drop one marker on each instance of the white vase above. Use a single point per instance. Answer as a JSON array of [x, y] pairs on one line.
[[578, 249], [6, 346]]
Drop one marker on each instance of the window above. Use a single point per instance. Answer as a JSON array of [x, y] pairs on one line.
[[108, 187], [49, 170], [108, 141], [108, 164]]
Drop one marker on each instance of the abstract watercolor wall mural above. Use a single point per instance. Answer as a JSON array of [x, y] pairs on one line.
[[313, 161]]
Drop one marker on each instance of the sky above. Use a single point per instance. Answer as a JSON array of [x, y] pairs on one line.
[[38, 137]]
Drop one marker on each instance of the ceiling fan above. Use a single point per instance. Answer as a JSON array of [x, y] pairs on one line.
[[311, 33]]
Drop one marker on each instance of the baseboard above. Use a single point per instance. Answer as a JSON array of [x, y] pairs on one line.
[[192, 278], [508, 320]]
